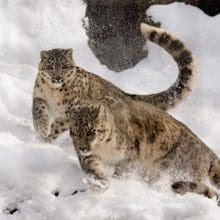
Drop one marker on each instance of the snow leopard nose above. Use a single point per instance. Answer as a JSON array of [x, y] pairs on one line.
[[57, 80]]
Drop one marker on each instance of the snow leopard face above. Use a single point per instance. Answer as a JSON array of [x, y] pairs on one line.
[[88, 122], [84, 121], [57, 65]]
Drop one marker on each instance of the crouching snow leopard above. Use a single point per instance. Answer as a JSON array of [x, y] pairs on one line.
[[60, 84], [132, 135]]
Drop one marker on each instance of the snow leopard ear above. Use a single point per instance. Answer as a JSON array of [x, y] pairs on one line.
[[69, 53], [44, 54]]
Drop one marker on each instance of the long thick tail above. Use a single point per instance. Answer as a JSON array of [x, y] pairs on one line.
[[183, 187], [186, 64]]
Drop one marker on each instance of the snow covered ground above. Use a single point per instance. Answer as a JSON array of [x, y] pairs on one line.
[[40, 181]]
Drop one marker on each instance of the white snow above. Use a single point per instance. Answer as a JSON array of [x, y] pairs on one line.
[[31, 171]]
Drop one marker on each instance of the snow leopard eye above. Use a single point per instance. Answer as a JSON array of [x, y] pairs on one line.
[[90, 133], [66, 67]]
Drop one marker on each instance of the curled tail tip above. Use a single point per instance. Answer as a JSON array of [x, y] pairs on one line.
[[143, 27], [146, 29]]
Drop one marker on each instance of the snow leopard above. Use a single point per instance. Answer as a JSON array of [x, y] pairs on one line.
[[131, 135], [61, 84]]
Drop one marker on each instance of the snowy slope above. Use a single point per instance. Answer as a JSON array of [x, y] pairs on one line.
[[33, 172]]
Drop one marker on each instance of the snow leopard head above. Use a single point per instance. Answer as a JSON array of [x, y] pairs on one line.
[[57, 65]]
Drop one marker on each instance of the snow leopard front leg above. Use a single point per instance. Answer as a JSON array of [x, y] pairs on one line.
[[92, 166], [58, 126], [40, 117]]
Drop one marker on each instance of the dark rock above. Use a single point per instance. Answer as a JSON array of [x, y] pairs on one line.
[[56, 193], [113, 31], [114, 34], [11, 211]]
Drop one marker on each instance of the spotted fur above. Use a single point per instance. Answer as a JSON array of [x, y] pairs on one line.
[[139, 136], [61, 84]]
